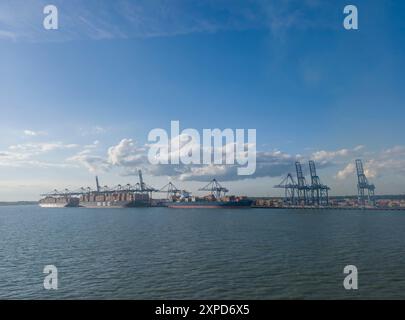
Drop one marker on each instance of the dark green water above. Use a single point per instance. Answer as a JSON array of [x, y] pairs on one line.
[[158, 253]]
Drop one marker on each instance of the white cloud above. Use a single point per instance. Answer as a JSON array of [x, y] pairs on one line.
[[94, 145], [376, 164], [29, 154], [395, 151], [323, 155], [359, 148], [32, 133], [347, 171], [95, 164], [382, 166], [41, 147], [205, 173], [92, 131], [129, 157], [26, 160], [126, 153]]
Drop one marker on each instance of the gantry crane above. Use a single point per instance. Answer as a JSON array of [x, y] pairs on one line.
[[302, 187], [215, 189], [290, 187], [364, 186], [319, 191]]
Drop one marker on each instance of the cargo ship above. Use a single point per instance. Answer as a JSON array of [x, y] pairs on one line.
[[118, 197], [204, 204], [216, 199], [115, 200], [140, 195], [58, 202]]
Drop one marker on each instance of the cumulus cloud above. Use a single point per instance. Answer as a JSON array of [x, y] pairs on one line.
[[126, 154], [324, 156], [268, 164], [129, 157], [382, 166], [370, 170], [347, 171], [395, 151], [377, 164]]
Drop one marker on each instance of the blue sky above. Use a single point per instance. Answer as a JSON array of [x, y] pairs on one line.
[[115, 70]]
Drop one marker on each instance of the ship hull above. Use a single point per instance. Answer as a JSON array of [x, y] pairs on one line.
[[56, 205], [211, 205], [114, 204]]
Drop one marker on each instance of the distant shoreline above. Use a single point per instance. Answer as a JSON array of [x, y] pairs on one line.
[[17, 203]]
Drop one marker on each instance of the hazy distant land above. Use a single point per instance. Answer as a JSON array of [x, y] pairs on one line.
[[17, 203]]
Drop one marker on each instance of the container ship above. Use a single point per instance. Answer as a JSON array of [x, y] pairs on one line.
[[118, 197], [204, 204], [114, 200], [58, 202], [216, 199]]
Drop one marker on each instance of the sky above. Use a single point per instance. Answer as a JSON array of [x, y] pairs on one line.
[[81, 100]]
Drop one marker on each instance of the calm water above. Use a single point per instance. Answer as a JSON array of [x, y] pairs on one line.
[[159, 253]]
